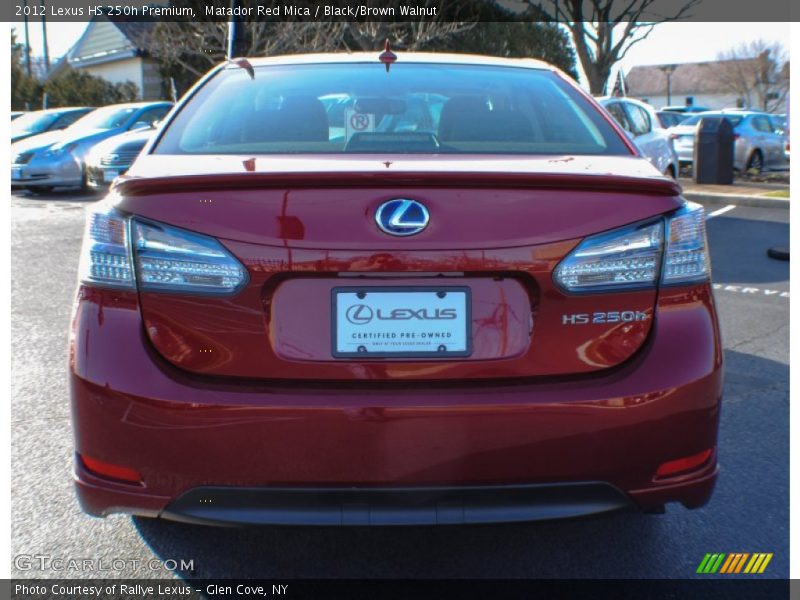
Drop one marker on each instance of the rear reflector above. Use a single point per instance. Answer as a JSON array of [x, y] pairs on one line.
[[109, 471], [681, 465]]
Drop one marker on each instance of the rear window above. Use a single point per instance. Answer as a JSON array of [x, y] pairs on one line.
[[734, 120], [415, 108]]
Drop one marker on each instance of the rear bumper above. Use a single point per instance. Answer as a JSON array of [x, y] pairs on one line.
[[349, 453], [685, 154], [394, 506], [97, 178]]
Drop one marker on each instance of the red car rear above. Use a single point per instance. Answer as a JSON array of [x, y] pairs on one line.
[[447, 291]]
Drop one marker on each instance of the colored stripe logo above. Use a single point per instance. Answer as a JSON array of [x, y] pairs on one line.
[[734, 562]]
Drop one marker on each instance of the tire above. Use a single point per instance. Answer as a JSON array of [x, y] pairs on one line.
[[756, 162], [40, 189], [670, 172]]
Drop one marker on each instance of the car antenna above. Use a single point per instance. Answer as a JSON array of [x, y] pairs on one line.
[[387, 57], [243, 63]]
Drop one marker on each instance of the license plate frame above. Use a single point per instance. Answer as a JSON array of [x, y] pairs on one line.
[[462, 349]]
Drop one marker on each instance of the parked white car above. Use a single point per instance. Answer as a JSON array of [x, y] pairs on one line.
[[641, 122]]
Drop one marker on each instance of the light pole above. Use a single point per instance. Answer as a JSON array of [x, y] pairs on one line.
[[235, 32], [27, 42], [44, 39], [668, 70]]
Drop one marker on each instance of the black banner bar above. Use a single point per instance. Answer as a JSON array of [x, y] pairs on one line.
[[401, 10], [723, 588]]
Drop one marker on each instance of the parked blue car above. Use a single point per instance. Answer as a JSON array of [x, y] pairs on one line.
[[57, 159]]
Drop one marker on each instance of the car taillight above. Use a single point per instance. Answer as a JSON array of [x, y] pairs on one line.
[[166, 258], [634, 257], [686, 257], [171, 259], [623, 258], [105, 258]]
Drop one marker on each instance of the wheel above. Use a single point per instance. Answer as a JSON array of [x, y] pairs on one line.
[[40, 189], [670, 172], [756, 162]]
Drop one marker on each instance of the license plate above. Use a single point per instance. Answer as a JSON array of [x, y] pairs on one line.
[[383, 322], [16, 172], [109, 176]]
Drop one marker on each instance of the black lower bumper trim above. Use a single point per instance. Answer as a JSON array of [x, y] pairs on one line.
[[394, 506]]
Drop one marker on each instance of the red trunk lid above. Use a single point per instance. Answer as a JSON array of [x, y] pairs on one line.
[[304, 227]]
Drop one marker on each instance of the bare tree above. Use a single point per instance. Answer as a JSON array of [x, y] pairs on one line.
[[198, 46], [757, 72], [604, 31], [192, 48], [406, 36]]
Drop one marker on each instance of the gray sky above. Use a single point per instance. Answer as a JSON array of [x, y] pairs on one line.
[[668, 43]]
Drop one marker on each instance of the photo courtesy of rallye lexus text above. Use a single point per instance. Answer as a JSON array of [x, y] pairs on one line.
[[390, 289]]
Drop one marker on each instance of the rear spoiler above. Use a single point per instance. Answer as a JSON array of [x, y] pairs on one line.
[[139, 186]]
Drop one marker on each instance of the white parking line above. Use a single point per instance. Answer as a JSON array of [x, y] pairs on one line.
[[720, 211]]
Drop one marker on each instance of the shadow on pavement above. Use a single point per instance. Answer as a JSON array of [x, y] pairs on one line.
[[749, 512], [60, 194], [739, 250]]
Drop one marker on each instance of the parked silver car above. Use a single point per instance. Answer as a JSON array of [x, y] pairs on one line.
[[57, 159], [758, 145], [113, 157], [641, 122]]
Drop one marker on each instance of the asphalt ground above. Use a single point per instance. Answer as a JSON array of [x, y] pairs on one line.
[[748, 513]]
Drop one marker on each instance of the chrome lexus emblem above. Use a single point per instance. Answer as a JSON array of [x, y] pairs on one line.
[[402, 217]]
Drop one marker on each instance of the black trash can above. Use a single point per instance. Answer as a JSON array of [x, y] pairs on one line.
[[713, 151]]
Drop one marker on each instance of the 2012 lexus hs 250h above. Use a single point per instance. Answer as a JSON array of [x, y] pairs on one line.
[[338, 289]]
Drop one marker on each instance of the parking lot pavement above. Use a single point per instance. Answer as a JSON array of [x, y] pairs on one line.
[[748, 513]]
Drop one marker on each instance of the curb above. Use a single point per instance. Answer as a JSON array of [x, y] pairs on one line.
[[712, 199]]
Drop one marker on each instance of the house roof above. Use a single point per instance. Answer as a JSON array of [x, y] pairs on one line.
[[687, 78], [107, 39]]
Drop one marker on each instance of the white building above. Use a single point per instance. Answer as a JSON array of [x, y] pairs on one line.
[[114, 50], [698, 84]]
